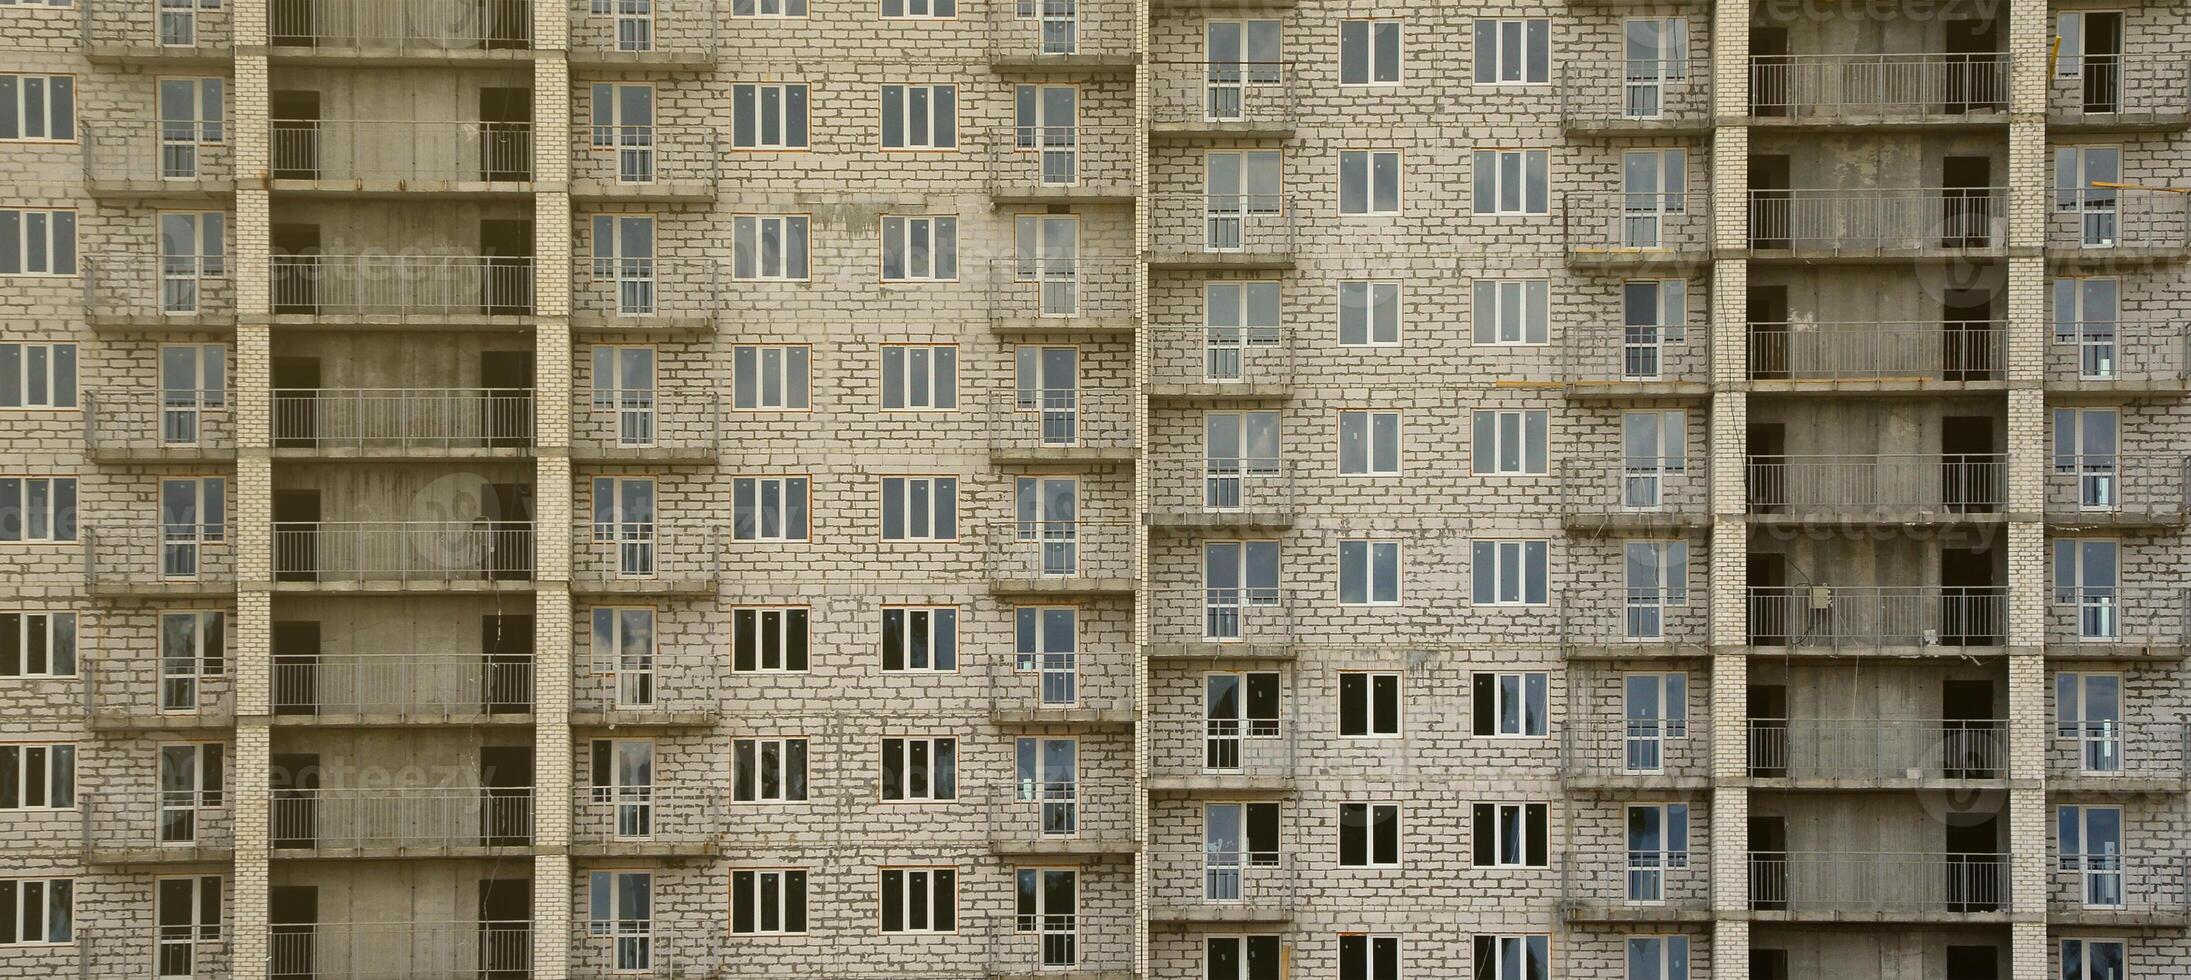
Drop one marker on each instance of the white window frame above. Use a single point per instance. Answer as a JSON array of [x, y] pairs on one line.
[[56, 633], [1510, 312], [2099, 741], [630, 533], [1368, 944], [935, 262], [25, 489], [1056, 666], [55, 893], [182, 137], [1368, 832], [1056, 795], [175, 681], [56, 766], [748, 756], [1368, 549], [53, 233], [785, 880], [937, 630], [794, 117], [1374, 459], [941, 885], [633, 938], [1527, 423], [1489, 163], [787, 487], [919, 9], [633, 673], [1360, 300], [749, 233], [46, 104], [914, 526], [772, 378], [44, 375], [1509, 565], [1510, 67], [1527, 692], [1361, 40], [941, 363], [1671, 949], [207, 794], [1368, 161], [2098, 607], [788, 622], [631, 804], [937, 746], [184, 401], [2084, 957], [766, 9], [1499, 842], [203, 929], [1366, 692], [934, 130]]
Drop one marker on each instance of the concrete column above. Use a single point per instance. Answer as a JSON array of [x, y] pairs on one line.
[[1730, 815]]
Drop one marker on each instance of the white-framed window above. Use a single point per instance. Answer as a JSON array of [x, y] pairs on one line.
[[193, 516], [624, 520], [623, 256], [1370, 704], [1046, 122], [37, 509], [1511, 181], [1366, 957], [768, 901], [1046, 644], [2086, 575], [1510, 704], [40, 108], [37, 241], [1369, 312], [2088, 845], [622, 648], [620, 908], [768, 508], [920, 508], [620, 778], [769, 246], [920, 249], [34, 375], [1513, 51], [1654, 708], [770, 116], [186, 911], [771, 377], [193, 111], [620, 112], [1658, 958], [1369, 182], [1510, 311], [37, 911], [1369, 443], [920, 377], [920, 900], [190, 784], [769, 638], [38, 776], [920, 769], [1510, 835], [768, 770], [920, 638], [1369, 573], [2088, 707], [1241, 319], [2095, 959], [768, 8], [920, 117], [1369, 835], [1658, 842], [928, 9], [37, 644], [1510, 442], [1509, 572], [1046, 773], [193, 381], [1369, 52], [1241, 957], [193, 647], [194, 242]]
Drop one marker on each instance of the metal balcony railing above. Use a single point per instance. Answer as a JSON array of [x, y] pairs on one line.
[[2114, 616], [1857, 484], [2124, 351], [1247, 616], [1223, 224], [148, 818], [639, 290], [175, 28], [1637, 879], [657, 814], [1877, 85], [604, 949], [1036, 944], [1920, 351], [465, 950], [2120, 750], [639, 155], [1204, 355], [1217, 94], [402, 684], [155, 150], [1060, 29], [2098, 87], [2113, 486], [156, 554], [1877, 748], [1641, 616], [2111, 881], [1223, 485], [1058, 812], [2098, 218], [637, 29], [1185, 878], [196, 951], [1047, 157], [1882, 882], [392, 817], [1634, 485], [1642, 748], [645, 681], [1612, 223], [403, 551], [635, 420], [1867, 220], [136, 285], [1096, 417], [124, 690], [402, 419], [1601, 353], [399, 150], [1060, 551], [118, 419], [1636, 92], [424, 27], [1061, 287], [1081, 681], [1877, 616], [1247, 748], [642, 551], [402, 285]]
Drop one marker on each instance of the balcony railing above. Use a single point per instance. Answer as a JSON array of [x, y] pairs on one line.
[[2121, 351], [1063, 553], [1639, 748], [2105, 87], [177, 29], [637, 291], [155, 554], [630, 156], [402, 684], [647, 551], [1870, 220], [1876, 748], [200, 952], [1608, 353], [401, 26], [1251, 617], [402, 285], [1248, 488], [159, 150], [390, 817], [1059, 813], [1221, 94], [1860, 485], [127, 690], [636, 420], [1877, 85], [1060, 29], [653, 814], [119, 819], [1843, 616], [2118, 487], [1065, 287], [2101, 750], [1216, 356], [467, 950], [674, 29], [1025, 158], [2117, 617], [2100, 218], [1634, 486], [1031, 945], [1251, 749], [1254, 224], [399, 150], [118, 419], [645, 948], [1083, 681], [120, 286], [1184, 879], [403, 551], [2111, 881], [402, 419], [1643, 617], [1611, 224], [644, 682], [1879, 883], [1915, 351], [1636, 92], [1657, 880], [1062, 419]]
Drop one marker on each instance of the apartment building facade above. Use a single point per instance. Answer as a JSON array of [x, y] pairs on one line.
[[1231, 490]]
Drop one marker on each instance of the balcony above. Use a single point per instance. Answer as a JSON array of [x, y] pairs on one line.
[[1219, 623], [1062, 164], [1616, 360], [652, 34], [1636, 886], [1206, 885], [1645, 754], [1875, 223], [152, 826], [2119, 357], [1053, 818], [646, 295], [395, 289], [1084, 689], [1038, 557], [2118, 93], [1078, 36], [648, 821], [399, 822], [464, 950], [133, 692], [182, 293], [2102, 226], [1636, 97], [345, 555], [125, 951], [1876, 753], [1224, 756], [1851, 618], [398, 32], [1053, 425], [1909, 488], [1617, 623], [646, 425], [389, 157], [1878, 356], [2119, 757], [401, 423], [1879, 886], [1222, 100], [402, 689], [1932, 89], [2118, 491], [119, 32], [2115, 623], [644, 688], [1617, 493], [152, 424], [671, 164], [169, 160], [2116, 889], [1085, 947], [1204, 364], [647, 948], [1221, 231], [154, 559], [1641, 230], [648, 558], [1224, 492], [1064, 294]]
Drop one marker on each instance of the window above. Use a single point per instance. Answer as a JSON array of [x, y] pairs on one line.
[[768, 117], [191, 114], [2094, 959], [187, 914], [190, 783], [37, 509], [193, 647], [2088, 843], [37, 911], [1510, 442], [2084, 577], [193, 514], [1240, 319], [920, 377], [1240, 459], [1657, 579], [37, 242], [1369, 313], [1241, 957], [2085, 312], [920, 117], [1658, 958], [38, 107], [193, 380], [37, 644], [920, 900], [1369, 182], [768, 508], [770, 378], [920, 769], [623, 255], [620, 907], [2078, 172], [1658, 842], [768, 247], [2088, 707], [1237, 576], [1046, 251], [1046, 904], [623, 518], [1046, 644], [1511, 181], [1369, 52], [768, 770], [1369, 835], [1046, 773], [768, 8], [1510, 835], [1654, 314], [939, 9], [1369, 704], [621, 778], [623, 124], [1238, 185], [2086, 442], [1655, 707], [1510, 704], [920, 508], [193, 242], [1509, 573], [1237, 839], [37, 375], [1237, 707], [768, 902], [1369, 443], [920, 249], [623, 648], [1513, 52], [1369, 957], [1510, 311], [1046, 121], [920, 638], [771, 638], [36, 776], [1369, 573]]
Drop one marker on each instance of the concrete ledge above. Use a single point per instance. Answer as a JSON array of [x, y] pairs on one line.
[[1074, 717], [609, 323], [673, 585], [397, 188], [1030, 192], [150, 721], [1064, 64], [1215, 392], [665, 191], [2115, 652], [337, 454], [2119, 918], [192, 189], [389, 57], [401, 719], [1874, 121], [1219, 783], [1190, 519], [643, 719], [685, 59], [1867, 386], [626, 849], [122, 52], [394, 588], [1220, 260], [162, 590], [1220, 651], [1875, 916], [160, 323], [1632, 390], [1616, 128], [1062, 586], [1855, 649], [1220, 914], [1061, 326], [1633, 651], [2079, 257], [157, 857], [407, 852], [1616, 521], [2109, 390], [1871, 784], [2063, 121], [2112, 785], [1032, 845], [1196, 129], [1621, 912], [1640, 783]]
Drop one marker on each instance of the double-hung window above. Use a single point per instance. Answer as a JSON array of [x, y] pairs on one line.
[[620, 908], [193, 515], [193, 647], [37, 509], [1509, 572], [769, 247], [37, 375], [623, 518], [920, 638], [920, 377], [1369, 835], [1369, 313], [771, 377], [920, 900], [37, 644], [1369, 52], [37, 911], [768, 638], [920, 117], [623, 649], [192, 117], [769, 901], [1369, 573], [1510, 704], [1510, 311], [38, 108], [1513, 51], [920, 769], [768, 116], [1369, 182], [37, 242], [920, 508], [920, 249], [38, 776], [768, 770], [1510, 835], [1369, 704], [1369, 443], [186, 915], [1511, 181], [768, 508], [1510, 442], [623, 124]]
